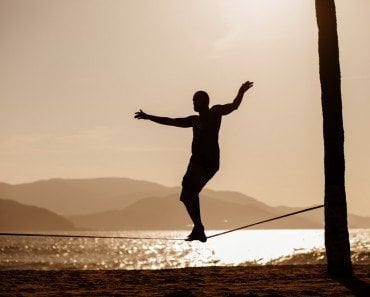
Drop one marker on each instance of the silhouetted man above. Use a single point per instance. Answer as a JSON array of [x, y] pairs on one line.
[[205, 158]]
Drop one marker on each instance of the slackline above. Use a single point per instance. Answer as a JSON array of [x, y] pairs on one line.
[[265, 221], [158, 238]]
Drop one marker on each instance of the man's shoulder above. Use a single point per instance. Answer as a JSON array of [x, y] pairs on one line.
[[193, 117], [216, 108]]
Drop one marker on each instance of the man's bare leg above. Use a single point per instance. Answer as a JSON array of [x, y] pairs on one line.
[[191, 202]]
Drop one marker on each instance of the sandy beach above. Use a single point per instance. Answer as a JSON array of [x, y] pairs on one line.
[[298, 280]]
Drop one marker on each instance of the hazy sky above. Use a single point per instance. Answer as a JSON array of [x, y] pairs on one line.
[[73, 73]]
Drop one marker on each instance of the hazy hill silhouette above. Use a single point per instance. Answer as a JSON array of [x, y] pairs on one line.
[[86, 196], [167, 213], [83, 196], [121, 203], [15, 216], [354, 221]]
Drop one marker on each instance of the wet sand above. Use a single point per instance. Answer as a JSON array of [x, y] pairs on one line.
[[300, 280]]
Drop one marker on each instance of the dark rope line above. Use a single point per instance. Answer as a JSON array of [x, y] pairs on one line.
[[157, 238], [85, 236], [265, 221]]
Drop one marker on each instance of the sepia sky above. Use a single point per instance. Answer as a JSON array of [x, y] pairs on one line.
[[72, 74]]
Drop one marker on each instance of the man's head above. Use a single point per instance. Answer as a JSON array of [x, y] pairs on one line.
[[201, 101]]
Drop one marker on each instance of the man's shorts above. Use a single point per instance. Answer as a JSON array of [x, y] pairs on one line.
[[196, 177]]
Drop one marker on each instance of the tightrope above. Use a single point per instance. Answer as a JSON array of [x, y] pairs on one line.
[[265, 221], [87, 236], [158, 238]]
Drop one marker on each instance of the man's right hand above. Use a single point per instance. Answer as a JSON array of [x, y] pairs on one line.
[[245, 87], [140, 115]]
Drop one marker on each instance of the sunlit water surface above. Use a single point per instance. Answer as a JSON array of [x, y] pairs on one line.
[[251, 247]]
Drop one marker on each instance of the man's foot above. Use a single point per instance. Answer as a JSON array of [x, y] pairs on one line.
[[197, 234], [192, 233], [196, 229]]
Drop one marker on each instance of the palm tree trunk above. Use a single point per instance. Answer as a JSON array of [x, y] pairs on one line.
[[336, 229]]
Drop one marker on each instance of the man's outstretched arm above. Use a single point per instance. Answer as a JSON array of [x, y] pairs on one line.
[[177, 122], [230, 107]]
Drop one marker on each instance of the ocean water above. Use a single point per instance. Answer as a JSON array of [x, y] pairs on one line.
[[247, 247]]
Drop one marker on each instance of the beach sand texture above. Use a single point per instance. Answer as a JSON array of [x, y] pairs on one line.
[[297, 280]]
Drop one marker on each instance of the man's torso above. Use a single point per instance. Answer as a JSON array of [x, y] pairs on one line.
[[205, 148]]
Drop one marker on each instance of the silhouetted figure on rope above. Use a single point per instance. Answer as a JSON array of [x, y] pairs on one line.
[[205, 158]]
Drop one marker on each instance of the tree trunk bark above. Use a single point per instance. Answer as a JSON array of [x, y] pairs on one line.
[[336, 230]]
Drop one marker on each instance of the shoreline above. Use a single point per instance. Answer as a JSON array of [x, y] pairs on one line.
[[269, 280]]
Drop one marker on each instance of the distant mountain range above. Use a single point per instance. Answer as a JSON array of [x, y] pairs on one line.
[[83, 196], [15, 216], [125, 204], [161, 213]]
